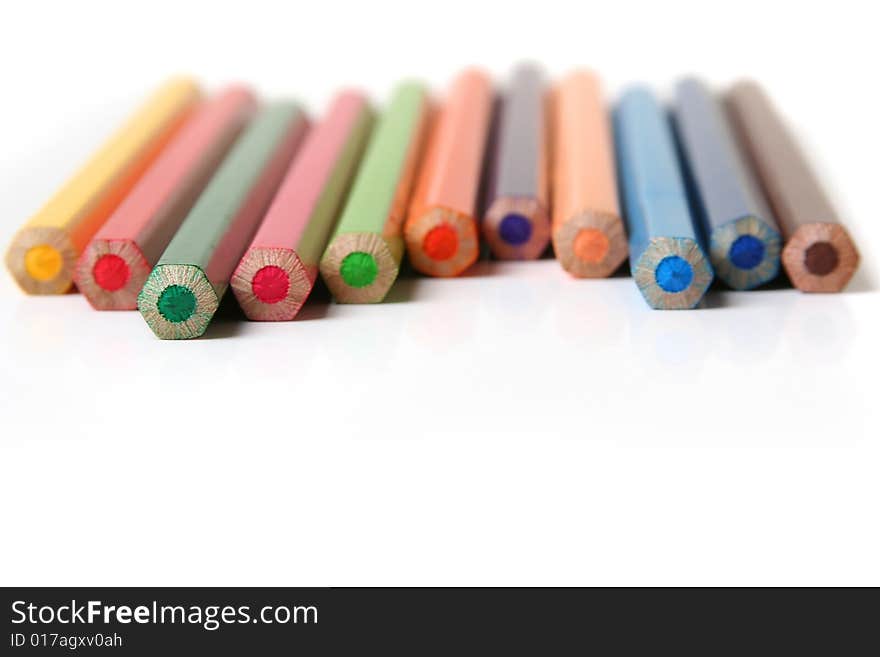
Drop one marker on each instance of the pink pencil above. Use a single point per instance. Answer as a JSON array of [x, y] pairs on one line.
[[278, 271], [115, 264]]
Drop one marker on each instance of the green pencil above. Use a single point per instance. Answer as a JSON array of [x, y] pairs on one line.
[[184, 289], [363, 259]]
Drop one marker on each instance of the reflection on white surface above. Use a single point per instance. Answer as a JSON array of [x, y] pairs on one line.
[[513, 349], [472, 404]]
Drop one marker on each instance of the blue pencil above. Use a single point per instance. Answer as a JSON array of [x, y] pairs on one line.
[[744, 241], [666, 257]]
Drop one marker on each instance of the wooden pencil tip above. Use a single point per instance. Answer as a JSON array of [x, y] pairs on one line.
[[360, 267], [178, 301], [111, 273], [820, 257], [42, 260], [517, 228], [272, 284], [673, 273], [590, 244]]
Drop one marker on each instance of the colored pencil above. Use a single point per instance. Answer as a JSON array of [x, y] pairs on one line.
[[440, 229], [819, 255], [516, 224], [743, 238], [277, 274], [363, 259], [667, 260], [184, 289], [43, 254], [115, 264], [589, 239]]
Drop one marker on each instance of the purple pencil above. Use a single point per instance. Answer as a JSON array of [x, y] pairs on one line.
[[517, 221]]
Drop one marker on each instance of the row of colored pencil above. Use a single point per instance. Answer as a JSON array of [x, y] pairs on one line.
[[194, 195]]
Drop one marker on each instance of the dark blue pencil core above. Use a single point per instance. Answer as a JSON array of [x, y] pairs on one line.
[[746, 252], [515, 229], [674, 274]]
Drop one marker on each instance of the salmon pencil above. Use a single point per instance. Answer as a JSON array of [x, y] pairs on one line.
[[588, 234], [666, 256], [184, 289], [276, 275], [115, 264], [362, 261], [819, 255], [517, 220], [744, 241], [441, 230], [43, 254]]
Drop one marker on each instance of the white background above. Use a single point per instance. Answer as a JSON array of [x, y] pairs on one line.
[[514, 426]]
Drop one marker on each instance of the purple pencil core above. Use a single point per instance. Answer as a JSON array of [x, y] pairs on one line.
[[515, 229]]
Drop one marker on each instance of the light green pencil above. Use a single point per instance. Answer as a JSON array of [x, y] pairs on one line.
[[363, 259]]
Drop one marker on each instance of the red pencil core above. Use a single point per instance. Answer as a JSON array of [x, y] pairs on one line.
[[111, 272], [441, 242], [270, 284]]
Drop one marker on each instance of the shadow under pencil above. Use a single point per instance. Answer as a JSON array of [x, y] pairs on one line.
[[227, 321]]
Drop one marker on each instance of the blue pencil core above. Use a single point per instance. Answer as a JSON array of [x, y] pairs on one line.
[[746, 252], [515, 229], [674, 274]]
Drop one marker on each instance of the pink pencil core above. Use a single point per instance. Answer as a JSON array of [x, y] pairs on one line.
[[270, 284], [111, 272]]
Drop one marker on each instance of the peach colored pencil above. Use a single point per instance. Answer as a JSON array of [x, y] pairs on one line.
[[278, 271], [113, 268], [588, 235], [441, 229]]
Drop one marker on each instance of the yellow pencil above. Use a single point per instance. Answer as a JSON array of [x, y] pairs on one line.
[[43, 254]]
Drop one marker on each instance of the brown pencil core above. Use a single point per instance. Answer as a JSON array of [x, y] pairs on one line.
[[821, 259]]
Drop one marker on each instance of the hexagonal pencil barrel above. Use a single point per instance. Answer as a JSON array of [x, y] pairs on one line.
[[441, 228], [43, 254], [516, 223], [667, 259], [589, 239], [184, 290], [278, 271], [363, 258], [744, 241], [115, 264], [819, 255]]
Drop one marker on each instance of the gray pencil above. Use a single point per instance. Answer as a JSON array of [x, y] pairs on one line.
[[517, 222], [743, 238]]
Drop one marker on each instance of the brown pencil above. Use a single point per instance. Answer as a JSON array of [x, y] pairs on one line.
[[819, 255]]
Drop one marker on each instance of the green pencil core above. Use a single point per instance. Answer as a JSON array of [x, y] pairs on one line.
[[359, 269], [176, 303]]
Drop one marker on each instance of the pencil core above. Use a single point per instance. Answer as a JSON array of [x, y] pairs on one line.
[[674, 274], [441, 242], [270, 284], [821, 259], [515, 229], [747, 252], [591, 245], [43, 262], [110, 272], [359, 269], [176, 303]]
